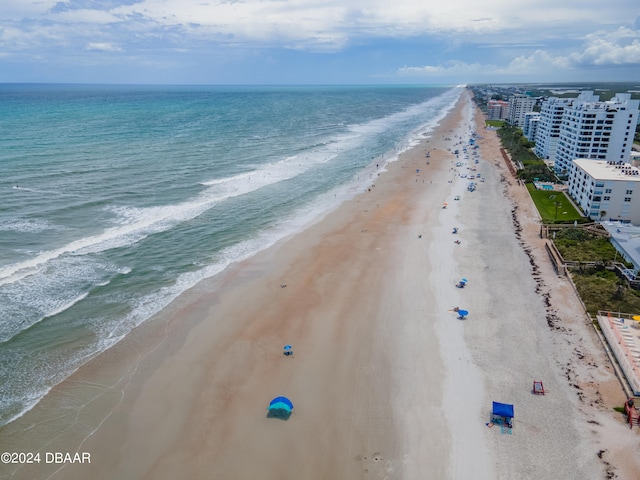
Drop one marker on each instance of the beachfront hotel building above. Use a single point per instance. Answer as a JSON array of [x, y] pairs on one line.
[[606, 190], [519, 104], [596, 130], [548, 130], [497, 109]]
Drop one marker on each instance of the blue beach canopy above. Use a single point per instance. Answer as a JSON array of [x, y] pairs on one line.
[[463, 313], [503, 409], [288, 347], [281, 403]]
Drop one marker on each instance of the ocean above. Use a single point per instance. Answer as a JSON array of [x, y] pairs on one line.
[[116, 199]]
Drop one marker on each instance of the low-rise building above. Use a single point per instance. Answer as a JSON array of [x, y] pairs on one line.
[[606, 190]]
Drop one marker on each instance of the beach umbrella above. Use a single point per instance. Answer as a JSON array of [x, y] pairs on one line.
[[636, 318], [288, 350], [464, 280], [281, 402], [288, 347], [462, 313], [280, 407]]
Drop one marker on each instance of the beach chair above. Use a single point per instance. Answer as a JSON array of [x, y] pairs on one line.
[[538, 388]]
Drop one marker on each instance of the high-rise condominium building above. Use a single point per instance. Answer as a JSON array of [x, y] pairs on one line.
[[596, 130]]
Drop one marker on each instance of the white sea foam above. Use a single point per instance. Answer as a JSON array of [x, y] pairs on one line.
[[233, 178], [65, 306], [28, 226], [36, 298]]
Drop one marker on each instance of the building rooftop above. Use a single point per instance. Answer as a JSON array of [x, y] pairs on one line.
[[607, 170], [626, 238]]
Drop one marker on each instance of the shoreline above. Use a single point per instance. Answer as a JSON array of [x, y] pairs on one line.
[[386, 382]]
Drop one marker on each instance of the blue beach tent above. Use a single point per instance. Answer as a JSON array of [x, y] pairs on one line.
[[502, 410], [280, 407]]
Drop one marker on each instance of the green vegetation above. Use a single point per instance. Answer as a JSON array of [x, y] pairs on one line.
[[601, 289], [578, 245], [598, 287], [516, 143], [538, 170], [495, 123], [520, 150], [554, 207]]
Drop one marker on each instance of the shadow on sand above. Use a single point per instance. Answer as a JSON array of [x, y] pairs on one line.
[[281, 413]]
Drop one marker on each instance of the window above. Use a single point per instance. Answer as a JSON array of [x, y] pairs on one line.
[[606, 199], [627, 199], [608, 190], [629, 192]]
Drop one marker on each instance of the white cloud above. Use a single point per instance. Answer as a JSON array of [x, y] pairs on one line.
[[17, 10], [601, 49], [620, 47], [32, 37], [303, 23], [540, 60], [103, 47], [451, 68], [85, 16]]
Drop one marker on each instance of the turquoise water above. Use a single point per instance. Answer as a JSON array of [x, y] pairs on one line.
[[117, 199]]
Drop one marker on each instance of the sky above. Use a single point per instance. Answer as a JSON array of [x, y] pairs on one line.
[[319, 41]]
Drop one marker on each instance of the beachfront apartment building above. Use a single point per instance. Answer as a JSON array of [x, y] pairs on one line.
[[548, 129], [519, 105], [596, 130], [531, 122], [497, 109], [606, 190]]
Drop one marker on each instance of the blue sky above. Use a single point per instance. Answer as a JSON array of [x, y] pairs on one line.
[[319, 41]]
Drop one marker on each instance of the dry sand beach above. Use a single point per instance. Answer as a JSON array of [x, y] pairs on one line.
[[387, 381]]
